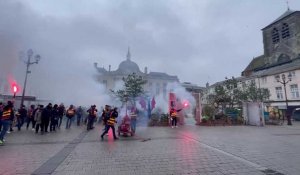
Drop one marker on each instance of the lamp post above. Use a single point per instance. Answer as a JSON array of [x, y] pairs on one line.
[[285, 81], [28, 63]]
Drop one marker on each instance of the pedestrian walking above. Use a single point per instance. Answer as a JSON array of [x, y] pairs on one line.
[[30, 117], [46, 116], [79, 114], [91, 117], [38, 118], [133, 117], [111, 123], [61, 112], [6, 119], [22, 115], [70, 114], [1, 112], [54, 118]]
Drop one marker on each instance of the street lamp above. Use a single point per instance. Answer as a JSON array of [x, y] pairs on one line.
[[284, 81], [28, 63]]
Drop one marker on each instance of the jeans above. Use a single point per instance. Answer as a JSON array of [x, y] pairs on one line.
[[60, 118], [133, 125], [174, 121], [69, 122], [5, 125], [20, 121]]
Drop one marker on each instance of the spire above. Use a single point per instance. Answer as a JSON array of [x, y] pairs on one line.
[[288, 6], [128, 54]]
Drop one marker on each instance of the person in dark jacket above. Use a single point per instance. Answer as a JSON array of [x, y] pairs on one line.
[[61, 112], [30, 117], [79, 114], [22, 115], [6, 120], [54, 118], [46, 116], [1, 111]]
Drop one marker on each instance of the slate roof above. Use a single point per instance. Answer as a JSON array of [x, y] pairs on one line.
[[284, 15]]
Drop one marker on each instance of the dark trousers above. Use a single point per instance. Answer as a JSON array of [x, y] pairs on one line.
[[30, 120], [20, 121], [174, 121], [37, 127], [45, 124], [90, 122], [78, 120], [53, 125], [107, 129], [60, 120]]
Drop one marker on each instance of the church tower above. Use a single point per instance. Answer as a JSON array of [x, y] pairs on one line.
[[281, 38]]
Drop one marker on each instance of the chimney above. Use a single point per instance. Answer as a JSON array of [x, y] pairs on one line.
[[109, 67], [146, 70], [96, 64]]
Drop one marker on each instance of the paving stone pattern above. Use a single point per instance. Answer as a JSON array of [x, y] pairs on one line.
[[157, 150]]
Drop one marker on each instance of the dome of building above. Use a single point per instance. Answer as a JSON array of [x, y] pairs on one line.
[[128, 67]]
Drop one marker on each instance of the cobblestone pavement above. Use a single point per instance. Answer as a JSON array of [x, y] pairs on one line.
[[156, 150]]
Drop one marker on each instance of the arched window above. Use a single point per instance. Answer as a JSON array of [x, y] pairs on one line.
[[275, 35], [285, 31]]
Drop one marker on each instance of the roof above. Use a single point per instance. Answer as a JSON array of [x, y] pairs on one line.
[[292, 65], [284, 15], [256, 63], [128, 67], [162, 75]]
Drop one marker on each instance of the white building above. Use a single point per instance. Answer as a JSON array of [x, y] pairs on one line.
[[156, 81]]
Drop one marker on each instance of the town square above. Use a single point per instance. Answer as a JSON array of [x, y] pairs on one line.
[[121, 87]]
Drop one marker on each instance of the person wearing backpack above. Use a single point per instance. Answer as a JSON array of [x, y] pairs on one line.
[[70, 114]]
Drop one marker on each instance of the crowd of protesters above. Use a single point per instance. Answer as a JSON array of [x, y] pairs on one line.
[[43, 119]]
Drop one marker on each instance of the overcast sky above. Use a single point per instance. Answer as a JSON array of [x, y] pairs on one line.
[[198, 40]]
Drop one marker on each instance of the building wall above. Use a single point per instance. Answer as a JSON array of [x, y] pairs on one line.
[[154, 86], [271, 83]]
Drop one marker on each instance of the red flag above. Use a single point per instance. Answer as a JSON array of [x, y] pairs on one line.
[[153, 103], [143, 103]]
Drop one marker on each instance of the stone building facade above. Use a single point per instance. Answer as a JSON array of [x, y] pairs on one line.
[[281, 39], [156, 81]]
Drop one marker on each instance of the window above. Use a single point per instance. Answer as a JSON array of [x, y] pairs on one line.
[[264, 80], [275, 36], [164, 89], [105, 83], [157, 88], [294, 91], [285, 31], [279, 92], [293, 74]]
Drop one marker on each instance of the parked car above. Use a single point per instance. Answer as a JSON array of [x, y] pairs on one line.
[[296, 114]]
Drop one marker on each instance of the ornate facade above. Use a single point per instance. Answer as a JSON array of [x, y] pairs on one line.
[[156, 81]]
